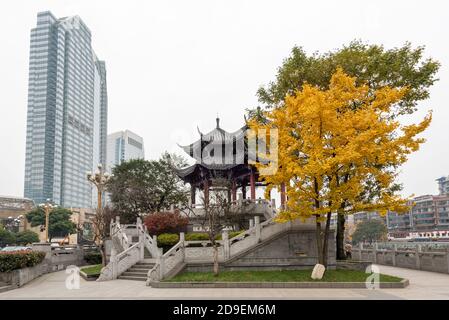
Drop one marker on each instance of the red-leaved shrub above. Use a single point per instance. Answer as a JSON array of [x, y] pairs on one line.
[[166, 222]]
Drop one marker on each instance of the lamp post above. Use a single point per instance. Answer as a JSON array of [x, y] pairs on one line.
[[99, 179], [47, 206]]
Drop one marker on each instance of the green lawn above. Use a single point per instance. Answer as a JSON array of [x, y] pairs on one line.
[[92, 270], [278, 276]]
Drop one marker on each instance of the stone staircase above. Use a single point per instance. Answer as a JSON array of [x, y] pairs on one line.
[[139, 271]]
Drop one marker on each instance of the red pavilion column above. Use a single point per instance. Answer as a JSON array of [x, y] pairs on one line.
[[234, 191], [282, 195], [252, 181]]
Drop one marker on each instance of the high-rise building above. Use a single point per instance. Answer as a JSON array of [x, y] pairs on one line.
[[443, 185], [123, 146], [67, 112]]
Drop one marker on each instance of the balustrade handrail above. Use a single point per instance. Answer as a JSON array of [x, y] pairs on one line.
[[125, 252]]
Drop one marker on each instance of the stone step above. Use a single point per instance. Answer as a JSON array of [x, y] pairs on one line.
[[144, 265], [133, 278], [134, 274], [139, 269]]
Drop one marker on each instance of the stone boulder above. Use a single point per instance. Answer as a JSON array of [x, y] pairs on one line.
[[318, 271]]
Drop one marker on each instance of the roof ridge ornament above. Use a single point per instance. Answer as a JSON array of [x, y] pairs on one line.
[[218, 122], [198, 128]]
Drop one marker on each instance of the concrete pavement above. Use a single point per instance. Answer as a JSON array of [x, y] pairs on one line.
[[423, 285]]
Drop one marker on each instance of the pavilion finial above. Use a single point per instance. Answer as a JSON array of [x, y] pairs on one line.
[[218, 121], [198, 128]]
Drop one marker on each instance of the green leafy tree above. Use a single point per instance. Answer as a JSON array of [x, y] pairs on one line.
[[371, 64], [369, 231], [6, 237], [26, 237], [59, 221], [140, 186]]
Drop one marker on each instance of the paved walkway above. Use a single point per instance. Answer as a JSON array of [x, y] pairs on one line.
[[423, 285]]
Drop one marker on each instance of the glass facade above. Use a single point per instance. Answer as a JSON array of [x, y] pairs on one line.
[[61, 118], [123, 146]]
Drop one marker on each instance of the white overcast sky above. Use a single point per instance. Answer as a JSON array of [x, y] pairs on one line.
[[173, 65]]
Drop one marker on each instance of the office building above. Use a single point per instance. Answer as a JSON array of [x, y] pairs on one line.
[[123, 146], [67, 112]]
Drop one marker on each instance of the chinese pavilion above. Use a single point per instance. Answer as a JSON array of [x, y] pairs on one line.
[[222, 156]]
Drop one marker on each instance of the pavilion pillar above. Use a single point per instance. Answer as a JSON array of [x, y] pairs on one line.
[[206, 191], [192, 194], [252, 182], [283, 195], [234, 191], [244, 189]]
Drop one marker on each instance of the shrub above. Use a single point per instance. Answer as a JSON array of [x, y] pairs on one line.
[[14, 260], [196, 236], [93, 258], [167, 239], [166, 222]]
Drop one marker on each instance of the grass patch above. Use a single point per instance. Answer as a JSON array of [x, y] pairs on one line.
[[278, 276], [92, 270]]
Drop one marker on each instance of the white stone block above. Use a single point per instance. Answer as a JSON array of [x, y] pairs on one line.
[[318, 271]]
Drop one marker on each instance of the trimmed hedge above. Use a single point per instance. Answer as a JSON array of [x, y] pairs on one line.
[[167, 239], [93, 258], [14, 260], [197, 236]]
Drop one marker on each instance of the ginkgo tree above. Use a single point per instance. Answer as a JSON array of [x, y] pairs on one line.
[[333, 145]]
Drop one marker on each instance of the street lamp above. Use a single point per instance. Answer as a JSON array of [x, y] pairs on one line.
[[47, 206], [99, 179]]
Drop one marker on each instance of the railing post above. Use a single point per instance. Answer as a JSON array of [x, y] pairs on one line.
[[394, 254], [182, 239], [141, 238], [226, 247], [418, 257], [114, 267], [161, 267], [251, 223], [257, 225]]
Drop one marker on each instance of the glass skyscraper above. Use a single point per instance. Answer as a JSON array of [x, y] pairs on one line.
[[124, 146], [67, 112]]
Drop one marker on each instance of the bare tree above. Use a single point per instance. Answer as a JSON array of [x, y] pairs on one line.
[[101, 229], [218, 213]]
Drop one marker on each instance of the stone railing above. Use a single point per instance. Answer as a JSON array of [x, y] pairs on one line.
[[167, 262], [132, 252], [149, 242], [403, 255], [121, 262], [203, 251]]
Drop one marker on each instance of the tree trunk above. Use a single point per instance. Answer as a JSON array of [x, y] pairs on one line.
[[103, 254], [340, 237], [215, 261], [319, 242], [326, 239]]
